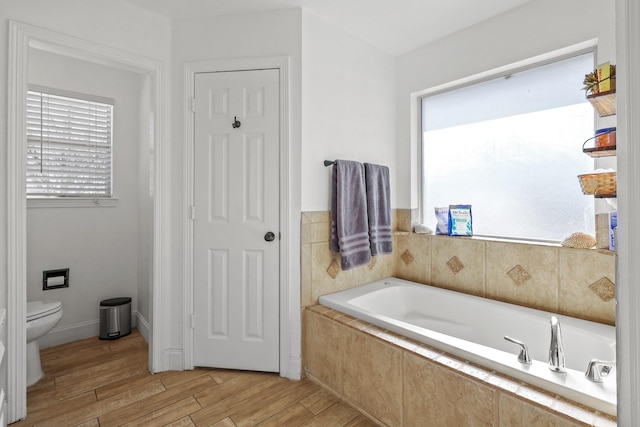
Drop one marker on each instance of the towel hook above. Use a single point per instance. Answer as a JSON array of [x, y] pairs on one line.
[[236, 123]]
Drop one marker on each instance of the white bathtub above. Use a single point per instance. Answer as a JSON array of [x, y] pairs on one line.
[[473, 329]]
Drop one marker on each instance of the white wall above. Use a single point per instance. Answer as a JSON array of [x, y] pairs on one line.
[[145, 208], [348, 105], [98, 244], [266, 34], [114, 23], [536, 28]]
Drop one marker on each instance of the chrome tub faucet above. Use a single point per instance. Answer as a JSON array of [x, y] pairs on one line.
[[523, 356], [598, 369], [556, 349]]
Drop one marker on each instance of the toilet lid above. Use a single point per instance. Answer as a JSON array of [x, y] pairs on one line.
[[38, 309]]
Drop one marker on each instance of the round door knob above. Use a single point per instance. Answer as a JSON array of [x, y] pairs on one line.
[[270, 236]]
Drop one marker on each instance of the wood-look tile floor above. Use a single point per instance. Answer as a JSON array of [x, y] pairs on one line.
[[107, 383]]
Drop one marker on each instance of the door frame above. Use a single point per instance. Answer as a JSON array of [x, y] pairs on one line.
[[628, 243], [290, 365], [22, 38]]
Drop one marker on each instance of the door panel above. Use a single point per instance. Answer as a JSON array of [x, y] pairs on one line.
[[253, 287], [236, 192], [218, 155], [218, 290], [254, 179]]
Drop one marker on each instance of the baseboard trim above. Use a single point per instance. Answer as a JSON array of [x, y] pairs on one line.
[[143, 326], [70, 333], [174, 359], [78, 331], [295, 369]]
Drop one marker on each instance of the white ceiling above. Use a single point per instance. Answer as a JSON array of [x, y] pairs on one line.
[[394, 26]]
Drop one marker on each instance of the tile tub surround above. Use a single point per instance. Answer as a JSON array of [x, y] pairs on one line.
[[399, 382], [320, 268], [575, 282]]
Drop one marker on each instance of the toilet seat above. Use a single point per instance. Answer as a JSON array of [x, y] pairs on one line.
[[39, 309]]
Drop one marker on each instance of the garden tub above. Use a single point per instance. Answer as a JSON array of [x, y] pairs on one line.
[[473, 329]]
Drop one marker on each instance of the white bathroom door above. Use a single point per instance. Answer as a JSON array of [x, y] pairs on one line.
[[236, 220]]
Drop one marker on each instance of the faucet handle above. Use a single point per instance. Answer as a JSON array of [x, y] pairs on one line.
[[598, 369], [523, 357]]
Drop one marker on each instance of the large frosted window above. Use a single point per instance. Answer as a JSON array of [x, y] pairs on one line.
[[512, 148]]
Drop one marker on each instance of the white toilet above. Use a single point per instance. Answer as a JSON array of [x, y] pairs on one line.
[[42, 316]]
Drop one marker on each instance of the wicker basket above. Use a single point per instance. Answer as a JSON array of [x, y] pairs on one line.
[[598, 184]]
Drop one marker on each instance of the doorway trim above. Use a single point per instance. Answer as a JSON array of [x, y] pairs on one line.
[[628, 244], [22, 38], [290, 365]]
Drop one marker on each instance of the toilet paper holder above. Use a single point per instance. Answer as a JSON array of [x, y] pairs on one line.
[[55, 279]]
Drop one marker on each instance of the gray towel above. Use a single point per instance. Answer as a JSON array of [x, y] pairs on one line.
[[379, 208], [349, 222]]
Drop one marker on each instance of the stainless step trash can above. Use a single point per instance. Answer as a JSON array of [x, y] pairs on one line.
[[115, 318]]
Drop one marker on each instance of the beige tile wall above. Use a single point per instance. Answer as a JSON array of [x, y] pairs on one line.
[[399, 382], [318, 262], [575, 282]]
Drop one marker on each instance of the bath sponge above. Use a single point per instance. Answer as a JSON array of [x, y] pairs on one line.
[[579, 240]]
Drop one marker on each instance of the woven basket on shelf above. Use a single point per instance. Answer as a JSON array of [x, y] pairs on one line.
[[598, 184]]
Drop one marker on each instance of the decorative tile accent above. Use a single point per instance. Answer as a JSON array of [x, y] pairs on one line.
[[518, 274], [372, 263], [334, 269], [455, 265], [604, 288], [407, 257]]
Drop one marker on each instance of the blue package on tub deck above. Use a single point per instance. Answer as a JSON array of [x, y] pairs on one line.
[[442, 220], [460, 220]]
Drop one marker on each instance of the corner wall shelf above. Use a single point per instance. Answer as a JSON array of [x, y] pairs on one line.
[[605, 196], [604, 103], [600, 151]]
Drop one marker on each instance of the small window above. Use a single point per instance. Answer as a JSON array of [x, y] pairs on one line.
[[512, 148], [69, 143]]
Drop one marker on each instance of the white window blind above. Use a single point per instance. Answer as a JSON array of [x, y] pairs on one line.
[[68, 146]]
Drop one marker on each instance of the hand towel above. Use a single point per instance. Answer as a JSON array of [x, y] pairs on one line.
[[379, 208], [349, 220]]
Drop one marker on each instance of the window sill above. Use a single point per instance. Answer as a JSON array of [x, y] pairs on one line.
[[507, 240], [71, 202], [492, 239]]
